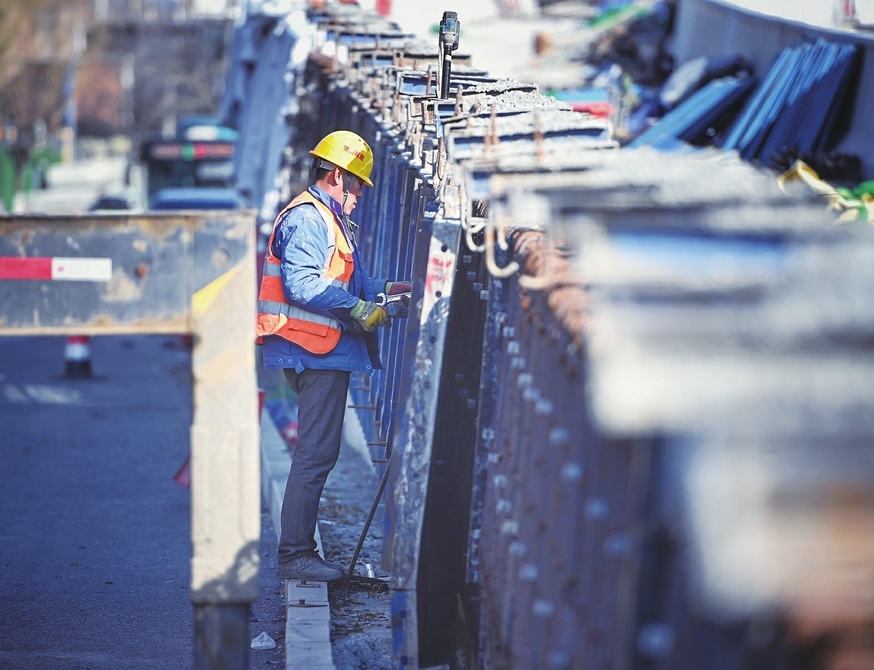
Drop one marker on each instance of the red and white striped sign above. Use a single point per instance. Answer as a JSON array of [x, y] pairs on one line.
[[56, 269]]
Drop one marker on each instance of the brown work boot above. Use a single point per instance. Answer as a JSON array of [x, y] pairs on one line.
[[308, 566]]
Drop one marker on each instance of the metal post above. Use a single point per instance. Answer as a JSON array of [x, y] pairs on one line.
[[225, 489], [845, 14], [221, 636], [449, 27]]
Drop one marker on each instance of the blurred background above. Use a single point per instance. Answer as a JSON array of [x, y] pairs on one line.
[[106, 81], [90, 80]]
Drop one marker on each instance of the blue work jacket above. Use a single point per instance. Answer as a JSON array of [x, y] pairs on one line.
[[301, 243]]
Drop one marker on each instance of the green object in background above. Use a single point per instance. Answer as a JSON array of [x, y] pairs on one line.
[[865, 188], [614, 16], [7, 179], [33, 174], [859, 198], [857, 203]]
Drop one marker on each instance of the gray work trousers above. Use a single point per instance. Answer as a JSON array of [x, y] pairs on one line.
[[321, 399]]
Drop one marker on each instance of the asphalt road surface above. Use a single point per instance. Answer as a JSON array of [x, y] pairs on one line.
[[94, 534]]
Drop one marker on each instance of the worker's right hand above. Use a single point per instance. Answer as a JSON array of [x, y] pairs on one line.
[[369, 316]]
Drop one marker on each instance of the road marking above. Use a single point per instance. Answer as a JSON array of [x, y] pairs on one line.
[[42, 394]]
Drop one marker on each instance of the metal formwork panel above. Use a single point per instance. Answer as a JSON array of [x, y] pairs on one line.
[[445, 535], [417, 429], [691, 340], [423, 217], [554, 545]]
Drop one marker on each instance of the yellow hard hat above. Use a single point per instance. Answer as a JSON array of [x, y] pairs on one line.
[[347, 150]]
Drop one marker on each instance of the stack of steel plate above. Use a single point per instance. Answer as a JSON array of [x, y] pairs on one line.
[[690, 121], [797, 104]]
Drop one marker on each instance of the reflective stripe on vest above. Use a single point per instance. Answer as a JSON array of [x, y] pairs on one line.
[[272, 270], [276, 316]]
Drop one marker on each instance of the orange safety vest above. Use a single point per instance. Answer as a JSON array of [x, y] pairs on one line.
[[314, 332]]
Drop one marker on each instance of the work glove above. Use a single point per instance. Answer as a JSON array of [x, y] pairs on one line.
[[399, 309], [369, 316], [396, 287]]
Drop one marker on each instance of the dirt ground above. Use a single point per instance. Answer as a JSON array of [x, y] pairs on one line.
[[360, 619], [266, 615]]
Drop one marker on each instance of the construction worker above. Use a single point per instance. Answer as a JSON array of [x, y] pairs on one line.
[[317, 313]]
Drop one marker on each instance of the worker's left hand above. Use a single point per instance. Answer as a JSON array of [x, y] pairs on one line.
[[369, 316]]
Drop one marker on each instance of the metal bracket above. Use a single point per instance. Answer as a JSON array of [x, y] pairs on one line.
[[303, 584], [303, 603]]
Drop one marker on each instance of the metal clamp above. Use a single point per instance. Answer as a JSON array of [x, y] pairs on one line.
[[303, 584], [303, 603]]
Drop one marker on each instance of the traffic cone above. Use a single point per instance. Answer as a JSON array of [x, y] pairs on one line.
[[289, 434], [183, 475], [77, 357]]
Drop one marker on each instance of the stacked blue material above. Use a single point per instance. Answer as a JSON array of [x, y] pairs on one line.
[[691, 119], [797, 103]]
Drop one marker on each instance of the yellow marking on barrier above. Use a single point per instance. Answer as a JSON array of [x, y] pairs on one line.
[[203, 299]]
